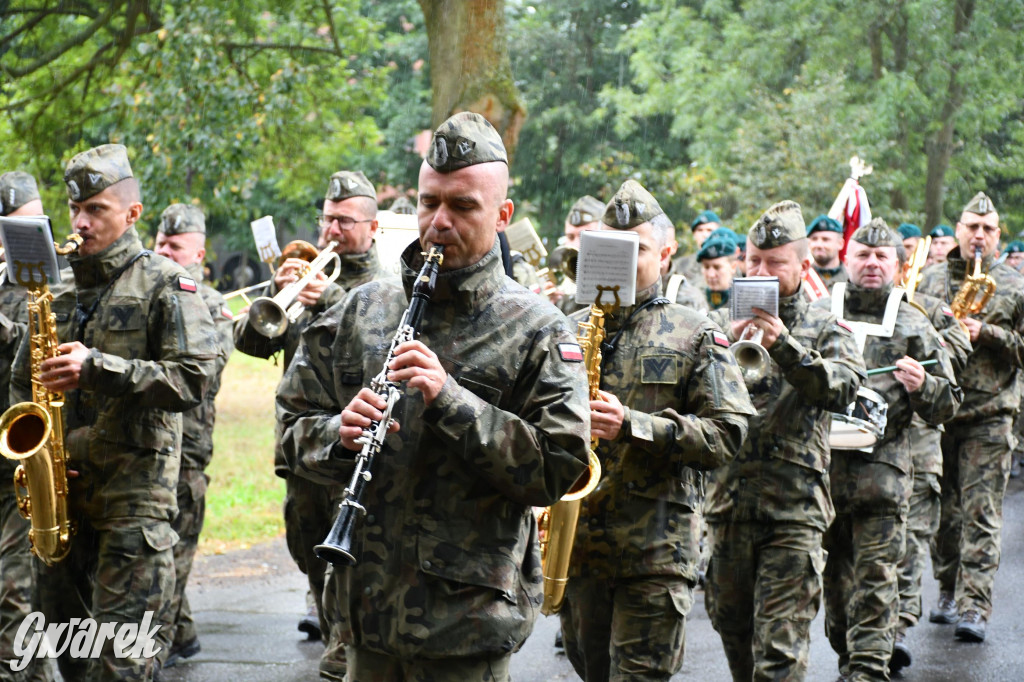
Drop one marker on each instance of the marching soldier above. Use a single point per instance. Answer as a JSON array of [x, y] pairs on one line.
[[911, 235], [871, 489], [825, 236], [717, 258], [181, 238], [943, 241], [702, 226], [769, 507], [584, 215], [635, 557], [675, 285], [19, 196], [493, 421], [978, 441]]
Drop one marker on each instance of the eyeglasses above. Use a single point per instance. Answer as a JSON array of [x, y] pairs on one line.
[[344, 222]]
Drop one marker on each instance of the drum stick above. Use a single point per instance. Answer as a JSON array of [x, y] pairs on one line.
[[893, 368]]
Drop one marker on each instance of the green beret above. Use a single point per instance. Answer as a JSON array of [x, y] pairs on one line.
[[824, 224], [347, 184], [876, 233], [463, 140], [781, 224], [941, 231], [586, 210], [980, 204], [17, 188], [1016, 246], [403, 206], [182, 218], [632, 205], [705, 217], [94, 170], [717, 246], [908, 230]]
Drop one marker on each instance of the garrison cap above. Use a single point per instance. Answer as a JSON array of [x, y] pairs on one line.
[[464, 140], [403, 206], [705, 217], [1016, 246], [632, 205], [908, 230], [182, 218], [781, 224], [717, 246], [824, 224], [876, 233], [586, 210], [941, 231], [17, 188], [980, 204], [347, 184], [92, 171]]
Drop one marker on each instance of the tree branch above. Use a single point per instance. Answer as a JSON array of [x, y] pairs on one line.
[[34, 21], [278, 46], [330, 22]]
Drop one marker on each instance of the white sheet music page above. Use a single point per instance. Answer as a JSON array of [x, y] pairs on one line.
[[265, 234], [607, 259], [753, 292], [31, 256]]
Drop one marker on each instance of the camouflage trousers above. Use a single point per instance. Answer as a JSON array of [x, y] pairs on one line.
[[369, 666], [17, 595], [966, 551], [113, 574], [922, 524], [763, 590], [626, 629], [187, 524]]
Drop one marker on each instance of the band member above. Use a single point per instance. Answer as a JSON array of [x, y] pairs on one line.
[[702, 226], [977, 443], [1015, 255], [181, 237], [717, 258], [943, 241], [584, 215], [871, 489], [634, 561], [139, 347], [19, 196], [493, 421], [675, 285], [769, 507], [826, 240], [910, 234]]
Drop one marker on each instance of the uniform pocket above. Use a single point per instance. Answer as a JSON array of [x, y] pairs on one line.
[[457, 565]]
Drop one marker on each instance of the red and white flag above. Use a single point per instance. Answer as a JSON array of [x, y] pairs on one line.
[[851, 208]]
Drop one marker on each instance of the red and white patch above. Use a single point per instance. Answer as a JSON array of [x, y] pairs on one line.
[[227, 313], [720, 339], [844, 326], [570, 352], [186, 284], [947, 311], [942, 341]]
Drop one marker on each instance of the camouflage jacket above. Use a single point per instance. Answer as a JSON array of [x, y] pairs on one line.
[[990, 379], [781, 472], [686, 294], [686, 411], [153, 352], [13, 300], [689, 267], [449, 563], [830, 277], [10, 338]]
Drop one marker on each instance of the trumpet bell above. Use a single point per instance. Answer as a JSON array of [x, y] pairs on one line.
[[268, 318], [750, 355]]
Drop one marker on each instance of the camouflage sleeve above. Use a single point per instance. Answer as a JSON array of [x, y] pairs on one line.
[[714, 426], [11, 334], [939, 397], [534, 455], [1007, 341], [958, 342], [828, 375], [21, 380], [223, 323], [185, 343]]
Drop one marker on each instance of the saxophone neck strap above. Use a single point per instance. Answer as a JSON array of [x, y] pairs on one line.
[[608, 347]]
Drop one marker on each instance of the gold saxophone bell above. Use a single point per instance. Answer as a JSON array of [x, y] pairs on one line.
[[975, 292]]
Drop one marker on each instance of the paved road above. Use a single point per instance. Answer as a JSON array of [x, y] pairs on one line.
[[247, 603]]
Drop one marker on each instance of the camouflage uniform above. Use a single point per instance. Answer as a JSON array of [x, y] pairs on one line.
[[871, 490], [685, 294], [688, 267], [830, 276], [769, 507], [978, 441]]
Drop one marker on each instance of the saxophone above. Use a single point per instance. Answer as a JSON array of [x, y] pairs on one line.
[[33, 432], [966, 301]]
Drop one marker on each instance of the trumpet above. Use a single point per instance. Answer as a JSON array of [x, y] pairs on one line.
[[967, 302], [750, 355], [271, 316], [562, 259]]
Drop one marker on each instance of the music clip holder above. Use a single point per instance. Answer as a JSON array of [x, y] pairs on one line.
[[30, 251]]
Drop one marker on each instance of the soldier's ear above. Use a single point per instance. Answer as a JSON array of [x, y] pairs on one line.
[[134, 213]]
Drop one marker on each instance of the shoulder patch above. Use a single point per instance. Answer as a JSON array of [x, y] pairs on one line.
[[570, 352], [947, 311], [720, 339], [844, 326], [187, 284], [226, 313], [942, 342]]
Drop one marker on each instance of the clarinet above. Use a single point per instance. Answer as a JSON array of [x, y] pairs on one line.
[[337, 546]]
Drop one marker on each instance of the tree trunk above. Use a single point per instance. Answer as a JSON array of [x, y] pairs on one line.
[[469, 65]]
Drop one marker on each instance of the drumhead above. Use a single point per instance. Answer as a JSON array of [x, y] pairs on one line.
[[850, 433]]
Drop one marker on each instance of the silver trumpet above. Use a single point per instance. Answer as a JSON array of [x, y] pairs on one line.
[[271, 316], [750, 355]]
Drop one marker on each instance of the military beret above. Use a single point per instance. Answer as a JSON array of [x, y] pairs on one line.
[[402, 205], [347, 184], [463, 140], [1016, 246], [717, 246], [941, 231], [632, 205], [92, 171], [586, 210], [781, 224], [980, 204], [824, 224], [876, 233], [17, 188], [705, 217], [908, 230], [182, 218]]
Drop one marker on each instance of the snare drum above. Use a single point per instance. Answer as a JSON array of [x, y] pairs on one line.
[[862, 425]]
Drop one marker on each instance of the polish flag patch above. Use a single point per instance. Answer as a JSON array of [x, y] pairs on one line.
[[844, 326], [720, 339], [186, 284], [570, 352], [227, 313], [947, 311]]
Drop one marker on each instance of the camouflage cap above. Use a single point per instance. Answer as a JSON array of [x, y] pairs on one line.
[[908, 230], [1016, 246], [705, 217], [586, 210], [781, 224], [17, 188], [404, 206], [717, 246], [182, 218], [980, 204], [632, 205], [941, 231], [876, 233], [94, 170], [824, 224], [347, 184], [465, 139]]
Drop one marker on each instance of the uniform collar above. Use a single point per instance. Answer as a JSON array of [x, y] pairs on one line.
[[617, 317], [791, 306], [829, 272], [357, 268], [196, 272], [866, 301], [958, 268], [98, 268], [466, 286]]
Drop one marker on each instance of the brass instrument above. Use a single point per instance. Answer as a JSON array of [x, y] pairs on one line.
[[557, 523], [244, 291], [33, 433], [271, 316], [966, 301], [912, 268], [750, 355]]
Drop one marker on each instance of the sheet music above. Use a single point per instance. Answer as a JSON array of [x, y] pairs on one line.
[[607, 259], [265, 234], [753, 292], [31, 256]]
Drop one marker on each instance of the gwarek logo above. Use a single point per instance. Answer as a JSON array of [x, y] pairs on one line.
[[83, 638]]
